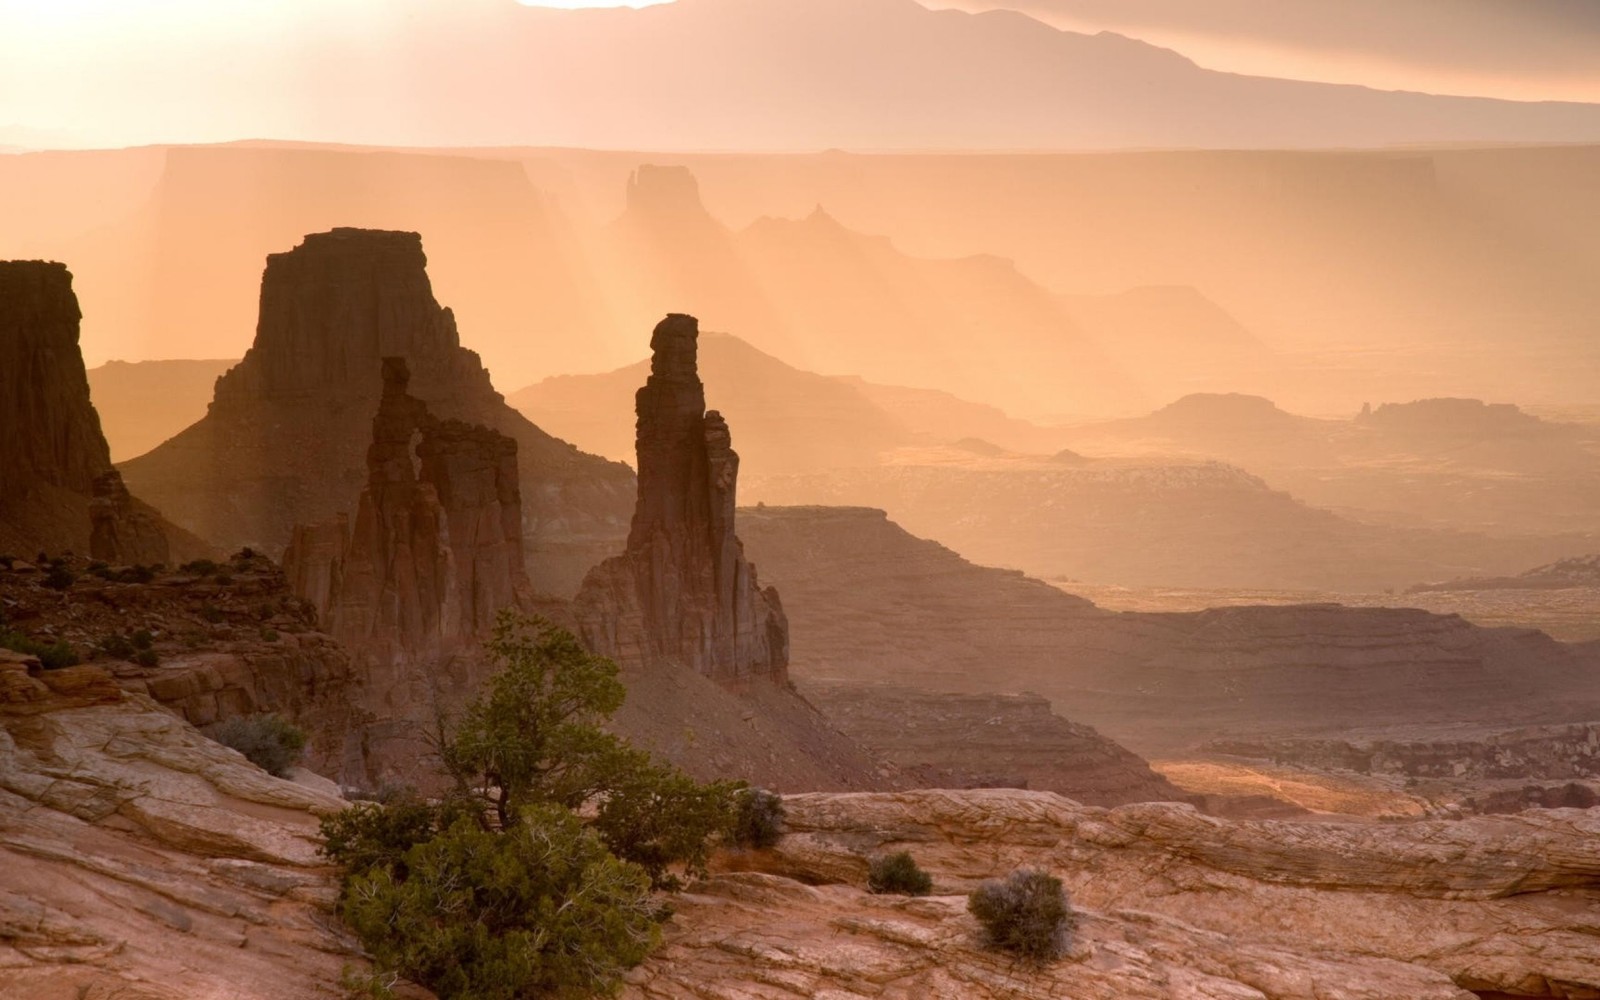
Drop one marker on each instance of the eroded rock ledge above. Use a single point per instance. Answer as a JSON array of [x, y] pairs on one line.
[[1172, 904]]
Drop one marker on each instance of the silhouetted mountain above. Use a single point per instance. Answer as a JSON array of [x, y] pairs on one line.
[[1528, 49]]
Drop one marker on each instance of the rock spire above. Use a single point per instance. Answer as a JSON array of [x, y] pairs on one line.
[[683, 591]]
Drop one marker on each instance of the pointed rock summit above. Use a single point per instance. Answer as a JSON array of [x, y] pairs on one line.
[[683, 591], [58, 491], [285, 440]]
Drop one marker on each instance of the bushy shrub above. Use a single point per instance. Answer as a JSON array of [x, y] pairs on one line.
[[1026, 913], [534, 876], [211, 613], [147, 658], [142, 639], [270, 742], [539, 909], [118, 646], [898, 874], [52, 656], [759, 822], [198, 567], [59, 577]]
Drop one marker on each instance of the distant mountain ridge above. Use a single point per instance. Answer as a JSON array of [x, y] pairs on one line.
[[781, 75]]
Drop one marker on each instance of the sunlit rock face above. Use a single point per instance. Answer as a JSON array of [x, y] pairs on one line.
[[284, 442], [58, 491], [683, 591]]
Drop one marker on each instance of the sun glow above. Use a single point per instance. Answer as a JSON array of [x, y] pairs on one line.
[[581, 4]]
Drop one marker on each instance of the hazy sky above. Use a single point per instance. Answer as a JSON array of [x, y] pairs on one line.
[[115, 72]]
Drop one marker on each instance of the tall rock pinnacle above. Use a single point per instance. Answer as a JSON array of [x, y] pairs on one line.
[[683, 592]]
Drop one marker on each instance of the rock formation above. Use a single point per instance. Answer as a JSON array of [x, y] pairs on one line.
[[207, 646], [1169, 904], [436, 547], [990, 741], [58, 491], [1156, 682], [683, 591], [433, 554], [144, 860], [285, 439], [122, 530]]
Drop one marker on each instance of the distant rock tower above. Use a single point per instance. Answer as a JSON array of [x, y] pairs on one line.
[[285, 439], [683, 592]]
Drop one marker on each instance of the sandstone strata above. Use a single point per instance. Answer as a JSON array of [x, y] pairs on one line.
[[220, 643], [145, 861], [285, 439], [1171, 904], [683, 592], [1158, 683], [990, 741], [58, 491]]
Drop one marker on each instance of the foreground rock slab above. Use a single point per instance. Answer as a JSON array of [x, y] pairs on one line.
[[1171, 904], [146, 862]]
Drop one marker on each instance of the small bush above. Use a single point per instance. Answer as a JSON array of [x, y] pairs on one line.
[[898, 874], [53, 656], [269, 635], [130, 574], [147, 658], [759, 821], [59, 577], [116, 646], [199, 567], [1026, 914], [142, 639], [271, 743], [211, 613]]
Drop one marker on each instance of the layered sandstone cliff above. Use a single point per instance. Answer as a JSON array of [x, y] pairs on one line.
[[284, 442], [683, 591], [58, 491], [1158, 683]]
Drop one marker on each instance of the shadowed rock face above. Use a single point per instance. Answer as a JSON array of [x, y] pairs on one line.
[[53, 457], [683, 592], [434, 552], [436, 549], [53, 434], [284, 441]]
